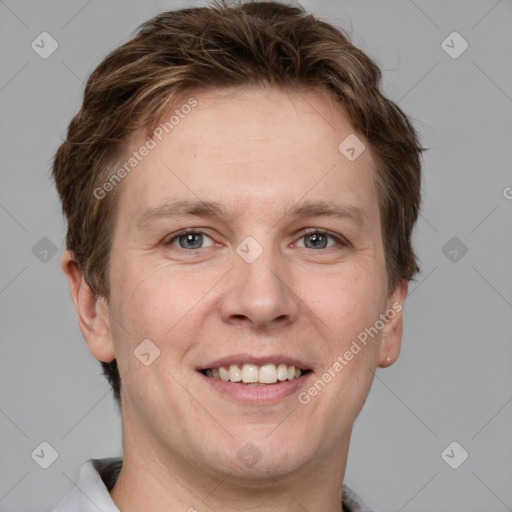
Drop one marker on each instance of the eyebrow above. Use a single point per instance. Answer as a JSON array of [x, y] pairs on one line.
[[206, 209], [183, 208]]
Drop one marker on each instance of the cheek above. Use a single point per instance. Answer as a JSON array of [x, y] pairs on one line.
[[352, 296], [157, 306], [347, 310], [157, 303], [344, 308]]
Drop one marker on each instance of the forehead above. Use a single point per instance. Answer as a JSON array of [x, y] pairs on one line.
[[252, 149]]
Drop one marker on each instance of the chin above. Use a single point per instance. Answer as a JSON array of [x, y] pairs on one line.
[[255, 456]]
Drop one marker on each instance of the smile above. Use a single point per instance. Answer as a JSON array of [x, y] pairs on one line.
[[254, 375]]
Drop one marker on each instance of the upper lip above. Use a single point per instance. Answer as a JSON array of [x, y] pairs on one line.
[[256, 360]]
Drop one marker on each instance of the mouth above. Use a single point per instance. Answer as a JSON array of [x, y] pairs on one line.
[[253, 375]]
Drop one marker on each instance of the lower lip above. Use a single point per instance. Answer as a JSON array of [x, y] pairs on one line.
[[258, 394]]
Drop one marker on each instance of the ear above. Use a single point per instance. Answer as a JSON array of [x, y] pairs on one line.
[[92, 311], [391, 339]]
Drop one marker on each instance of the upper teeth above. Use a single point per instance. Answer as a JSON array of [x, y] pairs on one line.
[[250, 373]]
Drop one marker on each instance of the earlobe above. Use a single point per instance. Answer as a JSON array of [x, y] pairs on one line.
[[92, 311], [391, 340]]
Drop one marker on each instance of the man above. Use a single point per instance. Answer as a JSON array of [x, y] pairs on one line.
[[240, 199]]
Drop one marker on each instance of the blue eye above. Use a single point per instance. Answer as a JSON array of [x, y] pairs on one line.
[[189, 240], [319, 239], [314, 239]]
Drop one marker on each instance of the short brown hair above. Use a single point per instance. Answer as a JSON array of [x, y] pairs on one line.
[[228, 45]]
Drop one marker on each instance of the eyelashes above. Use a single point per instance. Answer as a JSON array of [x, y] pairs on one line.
[[195, 237], [338, 239], [189, 234]]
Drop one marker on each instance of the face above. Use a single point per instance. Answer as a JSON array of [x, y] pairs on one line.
[[281, 266]]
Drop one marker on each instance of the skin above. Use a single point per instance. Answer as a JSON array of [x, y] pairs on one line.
[[256, 151]]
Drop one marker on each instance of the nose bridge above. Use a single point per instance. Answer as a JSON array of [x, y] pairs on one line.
[[258, 289], [260, 264]]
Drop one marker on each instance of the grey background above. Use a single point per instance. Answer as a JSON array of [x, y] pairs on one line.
[[453, 381]]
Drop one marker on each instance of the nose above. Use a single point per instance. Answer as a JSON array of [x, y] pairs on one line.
[[260, 294]]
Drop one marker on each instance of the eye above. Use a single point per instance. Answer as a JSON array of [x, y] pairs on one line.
[[318, 239], [188, 240], [314, 239]]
